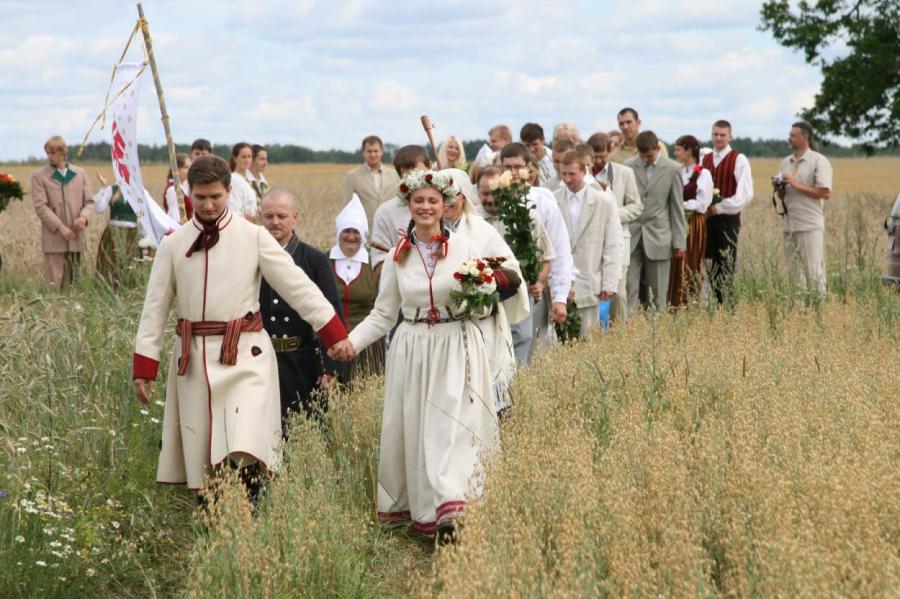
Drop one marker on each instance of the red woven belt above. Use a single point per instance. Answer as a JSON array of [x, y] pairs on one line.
[[232, 329]]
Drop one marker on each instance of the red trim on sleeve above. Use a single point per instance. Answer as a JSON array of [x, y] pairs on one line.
[[144, 367], [333, 331]]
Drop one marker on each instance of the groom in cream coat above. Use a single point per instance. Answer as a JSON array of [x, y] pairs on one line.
[[592, 219], [659, 233]]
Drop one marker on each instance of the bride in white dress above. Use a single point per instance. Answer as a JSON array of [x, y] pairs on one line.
[[439, 417]]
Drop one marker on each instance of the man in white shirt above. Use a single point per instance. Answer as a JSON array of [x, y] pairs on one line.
[[731, 176], [532, 135], [620, 180], [592, 220], [372, 182], [514, 157]]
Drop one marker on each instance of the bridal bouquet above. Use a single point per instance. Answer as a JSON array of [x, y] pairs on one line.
[[10, 189], [474, 293]]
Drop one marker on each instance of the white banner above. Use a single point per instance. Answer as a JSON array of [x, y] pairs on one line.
[[154, 222]]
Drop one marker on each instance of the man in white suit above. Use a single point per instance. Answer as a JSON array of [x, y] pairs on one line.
[[659, 233], [620, 180], [372, 182], [592, 219]]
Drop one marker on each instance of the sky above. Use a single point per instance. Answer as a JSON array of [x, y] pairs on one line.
[[325, 74]]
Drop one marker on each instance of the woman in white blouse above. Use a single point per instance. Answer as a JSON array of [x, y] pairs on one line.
[[243, 199], [686, 274]]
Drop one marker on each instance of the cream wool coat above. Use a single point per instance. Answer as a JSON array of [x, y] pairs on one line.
[[597, 244], [214, 409], [439, 419]]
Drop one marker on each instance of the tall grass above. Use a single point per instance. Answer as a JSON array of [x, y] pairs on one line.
[[80, 513], [750, 451]]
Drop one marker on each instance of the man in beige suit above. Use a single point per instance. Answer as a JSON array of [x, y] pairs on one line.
[[592, 219], [660, 231], [372, 182], [64, 203], [620, 180]]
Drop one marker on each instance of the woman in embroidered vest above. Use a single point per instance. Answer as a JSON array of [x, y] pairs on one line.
[[686, 274], [170, 198], [119, 241], [439, 418], [243, 199], [356, 283]]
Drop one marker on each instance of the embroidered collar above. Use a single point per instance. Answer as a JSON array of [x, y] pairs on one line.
[[63, 179]]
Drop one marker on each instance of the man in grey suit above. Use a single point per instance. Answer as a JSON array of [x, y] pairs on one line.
[[660, 232], [620, 180]]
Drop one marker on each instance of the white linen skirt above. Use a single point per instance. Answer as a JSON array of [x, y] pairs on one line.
[[439, 423]]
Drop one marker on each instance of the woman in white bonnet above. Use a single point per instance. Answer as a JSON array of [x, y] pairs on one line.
[[356, 283]]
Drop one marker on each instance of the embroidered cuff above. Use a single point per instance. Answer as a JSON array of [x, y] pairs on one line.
[[333, 331], [144, 367]]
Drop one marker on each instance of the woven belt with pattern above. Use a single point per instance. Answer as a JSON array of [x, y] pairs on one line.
[[231, 331], [285, 344]]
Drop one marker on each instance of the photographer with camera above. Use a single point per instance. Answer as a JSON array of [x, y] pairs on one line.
[[803, 185]]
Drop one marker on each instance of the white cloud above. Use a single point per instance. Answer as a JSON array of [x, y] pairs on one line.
[[324, 74]]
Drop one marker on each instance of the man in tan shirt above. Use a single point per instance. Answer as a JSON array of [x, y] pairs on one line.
[[64, 203], [804, 184], [372, 182], [630, 126]]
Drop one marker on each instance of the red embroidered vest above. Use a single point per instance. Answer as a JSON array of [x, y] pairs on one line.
[[723, 175]]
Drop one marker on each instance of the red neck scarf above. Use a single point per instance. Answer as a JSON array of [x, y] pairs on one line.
[[208, 237]]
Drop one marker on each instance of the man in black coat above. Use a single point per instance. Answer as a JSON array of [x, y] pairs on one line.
[[303, 365]]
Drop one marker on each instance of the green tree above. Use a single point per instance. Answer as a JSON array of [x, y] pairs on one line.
[[860, 94]]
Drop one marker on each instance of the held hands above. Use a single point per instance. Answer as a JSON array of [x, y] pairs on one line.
[[536, 291], [144, 389], [343, 351], [79, 225], [678, 252], [606, 295]]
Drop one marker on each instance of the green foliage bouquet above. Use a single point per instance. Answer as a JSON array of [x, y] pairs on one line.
[[510, 195]]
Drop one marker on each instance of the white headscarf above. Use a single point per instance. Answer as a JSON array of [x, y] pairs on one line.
[[464, 184], [353, 216]]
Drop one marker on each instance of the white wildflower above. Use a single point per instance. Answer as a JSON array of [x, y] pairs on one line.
[[40, 563], [20, 539]]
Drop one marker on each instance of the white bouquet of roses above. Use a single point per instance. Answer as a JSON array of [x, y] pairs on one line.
[[474, 294]]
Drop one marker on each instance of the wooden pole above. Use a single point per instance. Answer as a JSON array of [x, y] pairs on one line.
[[173, 164], [426, 123]]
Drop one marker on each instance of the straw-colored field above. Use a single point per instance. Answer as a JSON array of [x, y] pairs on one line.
[[752, 452], [317, 188]]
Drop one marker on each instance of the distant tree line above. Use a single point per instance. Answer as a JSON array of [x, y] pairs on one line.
[[290, 153]]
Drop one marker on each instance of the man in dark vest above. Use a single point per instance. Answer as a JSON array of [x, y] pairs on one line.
[[303, 366], [732, 178]]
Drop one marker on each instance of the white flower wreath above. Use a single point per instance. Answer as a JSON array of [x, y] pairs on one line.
[[421, 179]]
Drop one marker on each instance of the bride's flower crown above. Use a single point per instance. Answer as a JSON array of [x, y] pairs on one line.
[[421, 179]]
